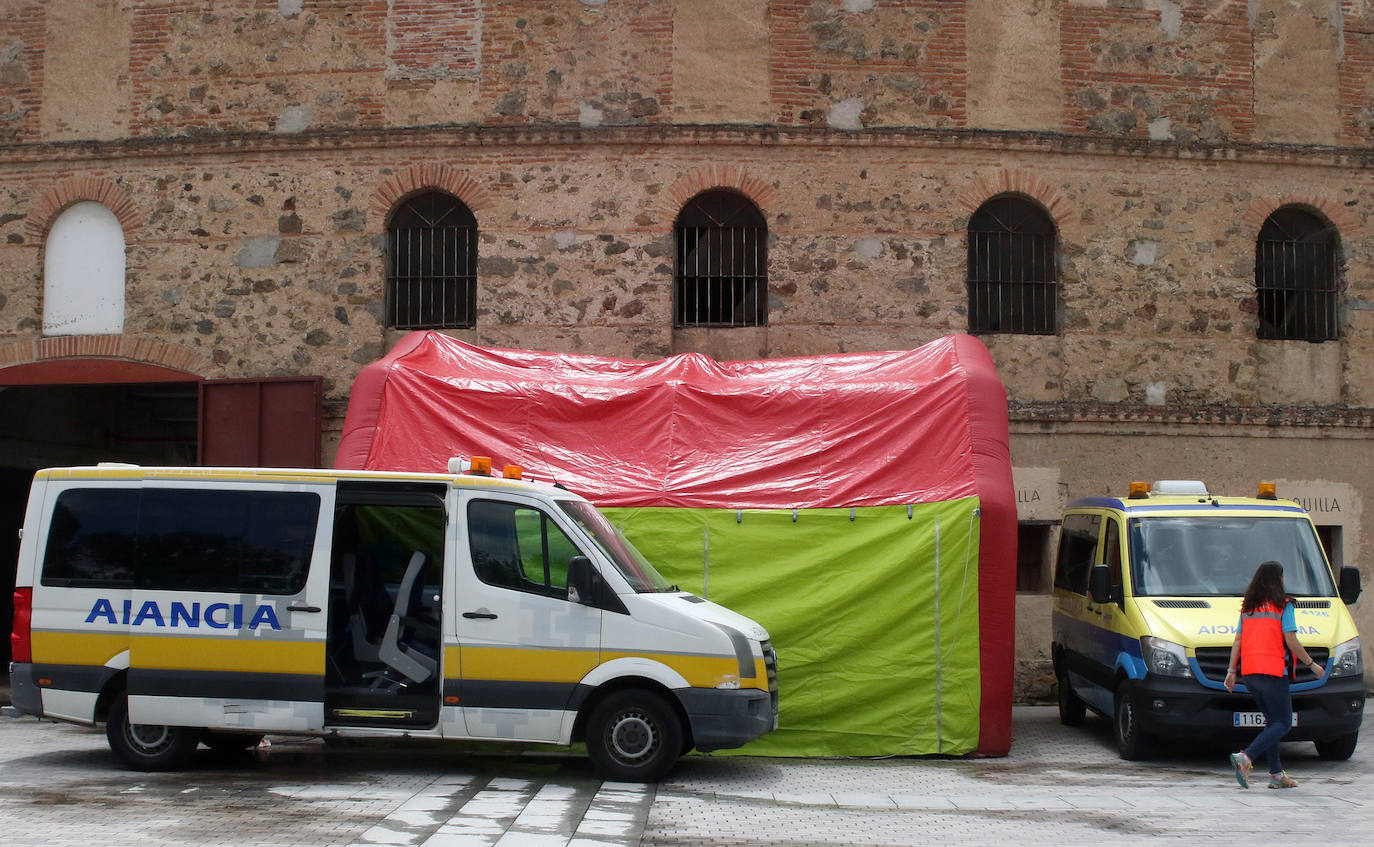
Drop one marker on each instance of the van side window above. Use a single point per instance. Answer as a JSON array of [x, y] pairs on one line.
[[176, 539], [92, 540], [1077, 546], [254, 542], [519, 547]]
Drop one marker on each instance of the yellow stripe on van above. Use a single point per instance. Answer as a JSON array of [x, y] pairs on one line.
[[699, 671], [514, 664], [78, 648], [227, 654]]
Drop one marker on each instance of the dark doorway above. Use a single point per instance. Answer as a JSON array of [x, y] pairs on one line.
[[45, 426], [179, 420]]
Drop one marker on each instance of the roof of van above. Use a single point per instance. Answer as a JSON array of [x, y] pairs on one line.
[[235, 474], [1185, 504]]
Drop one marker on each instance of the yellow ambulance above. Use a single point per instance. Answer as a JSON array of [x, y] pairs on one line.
[[1147, 592], [183, 606]]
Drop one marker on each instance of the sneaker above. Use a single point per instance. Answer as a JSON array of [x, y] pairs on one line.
[[1242, 764], [1282, 780]]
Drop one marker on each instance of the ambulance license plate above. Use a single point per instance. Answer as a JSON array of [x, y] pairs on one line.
[[1254, 719]]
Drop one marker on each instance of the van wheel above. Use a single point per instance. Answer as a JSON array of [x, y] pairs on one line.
[[228, 743], [633, 736], [1131, 742], [1338, 749], [148, 747], [1072, 709]]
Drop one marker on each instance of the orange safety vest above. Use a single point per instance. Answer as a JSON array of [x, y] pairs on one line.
[[1262, 649]]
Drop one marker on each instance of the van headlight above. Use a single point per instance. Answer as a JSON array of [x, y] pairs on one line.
[[1165, 658], [1345, 659]]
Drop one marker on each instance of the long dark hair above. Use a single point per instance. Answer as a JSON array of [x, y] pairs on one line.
[[1266, 586]]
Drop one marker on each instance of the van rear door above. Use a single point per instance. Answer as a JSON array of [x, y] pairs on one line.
[[229, 609]]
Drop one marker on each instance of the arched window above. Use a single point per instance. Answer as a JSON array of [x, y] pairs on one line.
[[721, 268], [1295, 277], [83, 273], [1012, 268], [431, 263]]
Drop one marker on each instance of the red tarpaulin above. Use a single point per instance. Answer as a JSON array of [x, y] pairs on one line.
[[859, 429]]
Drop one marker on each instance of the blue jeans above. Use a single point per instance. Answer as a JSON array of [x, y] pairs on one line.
[[1276, 701]]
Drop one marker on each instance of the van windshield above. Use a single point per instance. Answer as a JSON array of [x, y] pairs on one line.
[[636, 569], [1199, 556]]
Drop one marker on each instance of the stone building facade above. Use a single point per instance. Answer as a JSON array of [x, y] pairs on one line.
[[249, 154]]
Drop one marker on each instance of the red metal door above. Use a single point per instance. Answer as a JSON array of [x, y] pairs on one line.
[[269, 423]]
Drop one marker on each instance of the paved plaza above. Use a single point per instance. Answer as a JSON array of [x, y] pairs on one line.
[[59, 785]]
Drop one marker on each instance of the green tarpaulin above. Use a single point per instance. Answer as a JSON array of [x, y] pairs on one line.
[[875, 618]]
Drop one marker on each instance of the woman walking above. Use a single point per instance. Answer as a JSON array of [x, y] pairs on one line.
[[1267, 625]]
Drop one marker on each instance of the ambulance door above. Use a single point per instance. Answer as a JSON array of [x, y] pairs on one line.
[[1083, 662], [229, 612], [1112, 615], [524, 647]]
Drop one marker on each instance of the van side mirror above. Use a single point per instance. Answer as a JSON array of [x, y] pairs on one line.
[[1350, 584], [581, 581], [1100, 585]]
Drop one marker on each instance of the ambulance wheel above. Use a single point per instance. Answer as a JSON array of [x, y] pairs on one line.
[[148, 747], [229, 743], [1072, 709], [1338, 749], [633, 736], [1131, 742]]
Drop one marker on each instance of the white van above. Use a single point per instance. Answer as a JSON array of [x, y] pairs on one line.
[[212, 605]]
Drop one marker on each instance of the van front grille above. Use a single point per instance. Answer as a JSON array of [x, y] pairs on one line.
[[1312, 604], [1215, 660]]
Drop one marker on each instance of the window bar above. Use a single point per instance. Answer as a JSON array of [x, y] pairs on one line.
[[760, 283], [445, 277], [392, 260]]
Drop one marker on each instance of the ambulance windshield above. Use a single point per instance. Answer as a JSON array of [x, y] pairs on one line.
[[1216, 556], [636, 569]]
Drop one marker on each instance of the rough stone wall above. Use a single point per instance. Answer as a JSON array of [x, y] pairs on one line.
[[1007, 87], [250, 256], [1159, 71], [21, 71], [865, 63], [1188, 71], [243, 66]]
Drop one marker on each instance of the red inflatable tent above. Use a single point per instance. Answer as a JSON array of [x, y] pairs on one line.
[[754, 455]]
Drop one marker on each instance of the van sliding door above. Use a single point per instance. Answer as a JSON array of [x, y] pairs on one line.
[[227, 623]]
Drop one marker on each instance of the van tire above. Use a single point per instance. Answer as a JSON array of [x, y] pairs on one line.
[[1072, 709], [1338, 749], [150, 747], [1131, 742], [633, 736]]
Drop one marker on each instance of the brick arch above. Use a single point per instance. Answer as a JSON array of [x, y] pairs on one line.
[[694, 182], [1333, 210], [1016, 181], [68, 192], [97, 358], [429, 176]]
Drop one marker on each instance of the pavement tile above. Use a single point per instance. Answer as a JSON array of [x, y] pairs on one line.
[[60, 786]]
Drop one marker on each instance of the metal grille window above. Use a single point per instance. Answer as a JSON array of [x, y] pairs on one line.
[[1295, 277], [721, 274], [1012, 269], [431, 263]]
